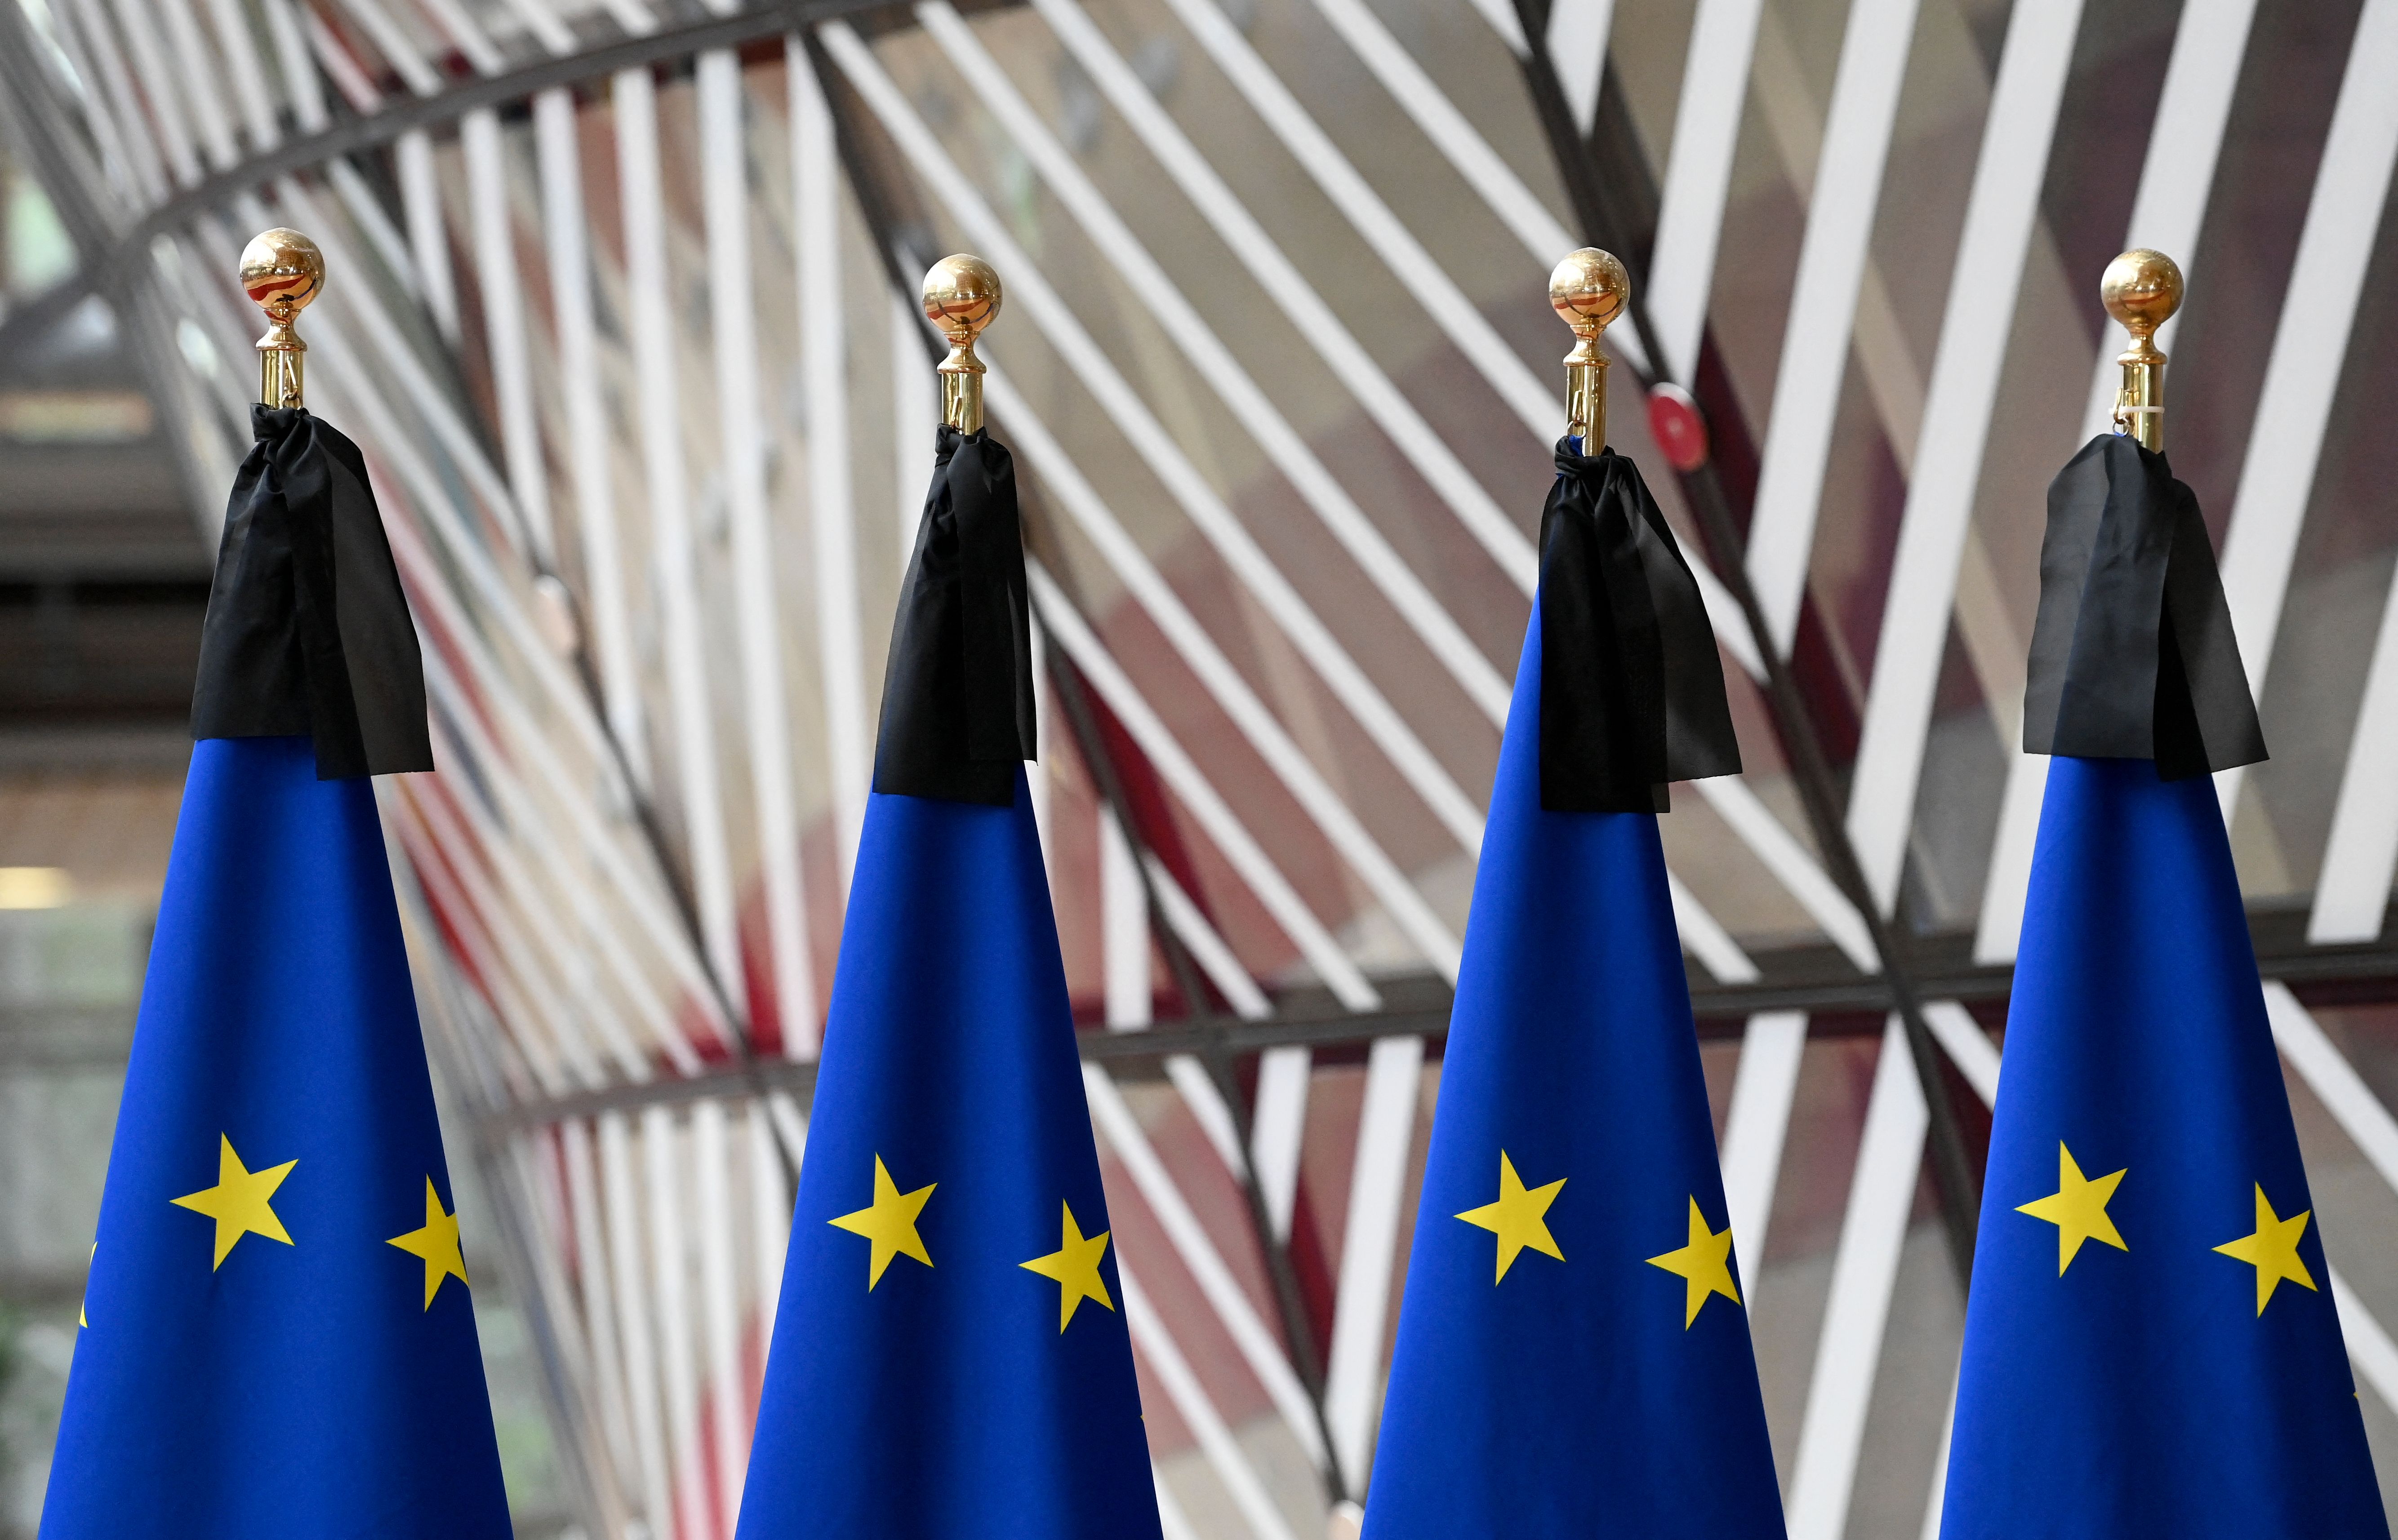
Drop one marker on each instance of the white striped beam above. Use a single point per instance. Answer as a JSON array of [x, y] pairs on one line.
[[915, 413], [832, 512], [1114, 1119], [1374, 390], [195, 79], [2352, 889], [1832, 259], [174, 135], [248, 73], [1181, 775], [1577, 44], [1427, 283], [300, 87], [665, 1163], [602, 1327], [730, 1406], [1198, 342], [340, 64], [636, 1319], [672, 538], [590, 439], [503, 327], [1216, 1444], [2310, 345], [1361, 1302], [108, 85], [1698, 176], [1793, 867], [770, 1226], [1999, 215], [1864, 1269], [724, 196], [1763, 1089]]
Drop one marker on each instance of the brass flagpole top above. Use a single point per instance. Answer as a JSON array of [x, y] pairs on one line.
[[1588, 289], [2141, 289], [282, 272], [962, 296]]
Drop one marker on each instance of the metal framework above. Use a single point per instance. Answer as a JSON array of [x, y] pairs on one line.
[[618, 312]]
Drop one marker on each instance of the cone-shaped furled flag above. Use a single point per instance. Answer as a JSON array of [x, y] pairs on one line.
[[950, 1356], [1574, 1354], [278, 1339], [2151, 1343]]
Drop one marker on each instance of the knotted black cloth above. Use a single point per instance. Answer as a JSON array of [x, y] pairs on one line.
[[957, 694], [2133, 655], [307, 631], [1631, 693]]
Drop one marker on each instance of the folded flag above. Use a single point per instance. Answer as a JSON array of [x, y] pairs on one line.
[[950, 1356], [1574, 1354], [280, 1339], [2152, 1347]]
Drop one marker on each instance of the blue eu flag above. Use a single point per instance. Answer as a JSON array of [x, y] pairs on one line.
[[950, 1356], [2150, 1345], [280, 1339], [1573, 1353]]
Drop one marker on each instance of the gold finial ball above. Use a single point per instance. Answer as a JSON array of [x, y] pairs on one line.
[[281, 271], [1588, 289], [2141, 289], [961, 296]]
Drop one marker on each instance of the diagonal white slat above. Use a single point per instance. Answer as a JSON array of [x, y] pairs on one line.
[[1968, 1046], [1174, 766], [721, 1314], [2167, 214], [832, 512], [2311, 340], [504, 327], [915, 409], [2370, 1347], [2353, 889], [1832, 256], [240, 48], [664, 1163], [340, 64], [195, 79], [108, 87], [2335, 1081], [1793, 866], [1361, 1300], [636, 1319], [653, 330], [580, 1165], [1698, 176], [589, 448], [1114, 1119], [1463, 145], [1427, 284], [1999, 215], [298, 69], [1374, 390], [1216, 1440], [1359, 695], [1577, 43], [174, 135], [1864, 1269], [1763, 1088], [724, 199], [1197, 342]]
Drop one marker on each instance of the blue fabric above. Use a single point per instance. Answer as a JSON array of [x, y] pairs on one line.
[[944, 1402], [2142, 1393], [1569, 1398], [299, 1390]]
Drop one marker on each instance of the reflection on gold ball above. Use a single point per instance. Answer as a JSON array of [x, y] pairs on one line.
[[2141, 289], [961, 296], [281, 271], [1588, 288]]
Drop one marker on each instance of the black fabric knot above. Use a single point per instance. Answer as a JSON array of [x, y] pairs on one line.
[[307, 629], [957, 694], [1632, 692], [2133, 655]]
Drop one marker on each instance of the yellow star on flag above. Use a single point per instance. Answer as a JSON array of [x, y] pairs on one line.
[[2272, 1249], [2078, 1208], [1705, 1266], [238, 1201], [1075, 1265], [1515, 1218], [437, 1243], [890, 1223]]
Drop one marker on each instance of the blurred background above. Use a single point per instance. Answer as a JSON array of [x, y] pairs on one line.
[[621, 309]]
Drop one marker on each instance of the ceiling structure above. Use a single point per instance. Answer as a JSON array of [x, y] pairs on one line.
[[620, 310]]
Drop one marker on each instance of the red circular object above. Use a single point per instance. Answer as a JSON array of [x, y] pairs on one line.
[[1675, 423]]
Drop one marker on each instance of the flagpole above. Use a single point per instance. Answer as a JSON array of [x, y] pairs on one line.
[[962, 296], [282, 272], [2141, 289], [1587, 290]]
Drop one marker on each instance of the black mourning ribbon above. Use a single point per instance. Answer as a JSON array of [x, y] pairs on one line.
[[1632, 692], [307, 630], [2133, 655], [957, 694]]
